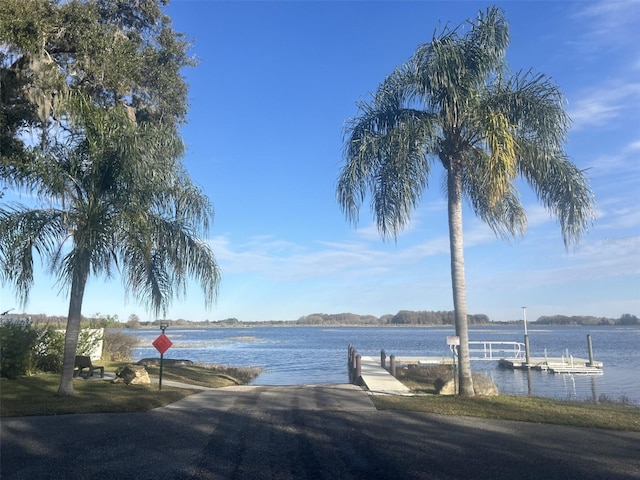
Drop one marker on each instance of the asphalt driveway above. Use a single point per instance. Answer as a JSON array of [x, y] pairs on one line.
[[304, 432]]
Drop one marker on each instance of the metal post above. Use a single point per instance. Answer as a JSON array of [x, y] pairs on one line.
[[526, 337], [358, 368], [453, 369], [590, 347], [383, 359], [160, 378], [163, 327], [392, 362]]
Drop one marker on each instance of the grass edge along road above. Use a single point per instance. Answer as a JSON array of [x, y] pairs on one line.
[[36, 395], [520, 408]]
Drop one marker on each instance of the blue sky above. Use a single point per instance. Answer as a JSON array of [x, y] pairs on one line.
[[275, 84]]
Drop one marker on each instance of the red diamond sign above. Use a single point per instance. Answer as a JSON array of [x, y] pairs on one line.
[[162, 343]]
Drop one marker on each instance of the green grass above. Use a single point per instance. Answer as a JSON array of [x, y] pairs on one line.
[[36, 395], [524, 409], [421, 381]]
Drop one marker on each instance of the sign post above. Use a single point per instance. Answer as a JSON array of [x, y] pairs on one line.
[[454, 341], [162, 344]]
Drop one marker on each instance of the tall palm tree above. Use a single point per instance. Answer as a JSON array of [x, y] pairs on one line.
[[113, 194], [455, 102]]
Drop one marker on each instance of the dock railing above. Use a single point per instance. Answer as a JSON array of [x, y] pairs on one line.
[[487, 350]]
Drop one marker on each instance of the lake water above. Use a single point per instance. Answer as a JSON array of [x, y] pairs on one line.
[[312, 355]]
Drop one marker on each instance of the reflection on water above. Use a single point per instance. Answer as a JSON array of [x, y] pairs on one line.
[[308, 355]]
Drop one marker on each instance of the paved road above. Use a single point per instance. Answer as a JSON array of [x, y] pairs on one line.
[[304, 432]]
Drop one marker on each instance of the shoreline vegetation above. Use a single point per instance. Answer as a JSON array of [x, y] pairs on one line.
[[36, 395], [402, 318]]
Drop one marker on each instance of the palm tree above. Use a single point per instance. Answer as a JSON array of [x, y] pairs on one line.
[[453, 101], [113, 195]]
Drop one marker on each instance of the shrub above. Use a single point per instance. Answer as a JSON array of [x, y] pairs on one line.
[[118, 346], [607, 400], [48, 350], [17, 340], [88, 340], [25, 349]]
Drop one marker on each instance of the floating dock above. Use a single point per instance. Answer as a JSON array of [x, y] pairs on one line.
[[373, 373], [511, 355], [577, 366]]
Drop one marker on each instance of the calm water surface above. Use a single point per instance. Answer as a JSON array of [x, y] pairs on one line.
[[311, 355]]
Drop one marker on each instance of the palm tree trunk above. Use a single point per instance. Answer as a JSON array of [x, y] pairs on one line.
[[72, 334], [454, 195]]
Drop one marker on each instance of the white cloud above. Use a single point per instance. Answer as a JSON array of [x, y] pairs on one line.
[[290, 262], [599, 106], [621, 162], [616, 181], [432, 206], [609, 23]]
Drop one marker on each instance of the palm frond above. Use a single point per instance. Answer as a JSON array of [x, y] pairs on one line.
[[503, 213], [149, 281], [159, 260], [535, 106], [447, 72], [26, 231], [562, 188], [486, 44], [499, 169], [386, 153]]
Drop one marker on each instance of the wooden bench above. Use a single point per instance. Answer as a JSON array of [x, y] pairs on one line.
[[83, 362]]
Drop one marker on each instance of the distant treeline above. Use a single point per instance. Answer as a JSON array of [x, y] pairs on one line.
[[403, 317], [59, 321], [625, 319]]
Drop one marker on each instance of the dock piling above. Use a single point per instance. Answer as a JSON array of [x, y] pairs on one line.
[[352, 355], [590, 348]]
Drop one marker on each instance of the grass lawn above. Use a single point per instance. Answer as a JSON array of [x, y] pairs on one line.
[[520, 408], [36, 395], [421, 381]]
